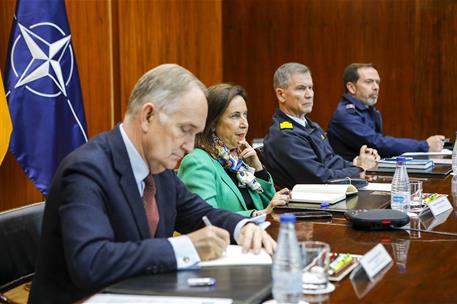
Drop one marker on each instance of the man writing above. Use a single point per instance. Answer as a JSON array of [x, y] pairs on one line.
[[357, 122], [115, 202], [296, 149]]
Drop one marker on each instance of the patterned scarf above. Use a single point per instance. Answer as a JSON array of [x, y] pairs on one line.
[[231, 162]]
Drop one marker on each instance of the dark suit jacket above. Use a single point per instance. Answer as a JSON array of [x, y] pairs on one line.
[[95, 230], [294, 154]]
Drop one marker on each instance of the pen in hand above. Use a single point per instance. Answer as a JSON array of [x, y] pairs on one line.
[[206, 221]]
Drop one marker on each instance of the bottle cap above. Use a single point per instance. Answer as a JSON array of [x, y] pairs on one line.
[[287, 218]]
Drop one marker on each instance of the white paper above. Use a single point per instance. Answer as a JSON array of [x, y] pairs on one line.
[[443, 152], [122, 298], [234, 256], [378, 187], [439, 206], [375, 260]]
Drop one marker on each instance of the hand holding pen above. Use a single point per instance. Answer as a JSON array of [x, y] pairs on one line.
[[210, 241]]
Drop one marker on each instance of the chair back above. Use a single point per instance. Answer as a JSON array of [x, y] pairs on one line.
[[20, 231]]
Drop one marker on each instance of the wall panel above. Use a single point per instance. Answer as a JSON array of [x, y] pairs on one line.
[[162, 31], [435, 93], [325, 35], [412, 42]]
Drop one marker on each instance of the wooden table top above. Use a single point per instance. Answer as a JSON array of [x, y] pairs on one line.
[[425, 265]]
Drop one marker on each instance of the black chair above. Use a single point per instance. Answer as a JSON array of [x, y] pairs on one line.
[[19, 238]]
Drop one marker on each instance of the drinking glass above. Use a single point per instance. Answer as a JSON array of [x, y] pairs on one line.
[[315, 261], [416, 196]]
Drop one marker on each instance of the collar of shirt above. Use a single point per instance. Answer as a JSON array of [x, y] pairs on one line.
[[357, 103], [139, 167], [302, 122]]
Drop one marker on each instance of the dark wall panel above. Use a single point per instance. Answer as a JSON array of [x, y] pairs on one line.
[[411, 42], [162, 31]]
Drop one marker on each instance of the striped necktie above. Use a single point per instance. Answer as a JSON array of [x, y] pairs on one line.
[[150, 204]]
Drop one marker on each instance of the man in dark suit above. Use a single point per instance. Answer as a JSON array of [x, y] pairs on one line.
[[296, 150], [115, 202], [358, 122]]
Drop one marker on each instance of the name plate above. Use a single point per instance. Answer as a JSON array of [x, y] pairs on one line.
[[375, 260], [439, 206]]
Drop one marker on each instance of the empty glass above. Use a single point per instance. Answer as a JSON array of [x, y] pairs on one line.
[[415, 201], [315, 261]]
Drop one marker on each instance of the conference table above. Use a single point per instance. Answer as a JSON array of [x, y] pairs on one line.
[[424, 267]]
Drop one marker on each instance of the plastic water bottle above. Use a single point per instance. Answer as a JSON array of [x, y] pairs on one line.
[[454, 156], [287, 269], [400, 193]]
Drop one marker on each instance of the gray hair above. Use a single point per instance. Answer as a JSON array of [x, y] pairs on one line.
[[163, 86], [285, 72]]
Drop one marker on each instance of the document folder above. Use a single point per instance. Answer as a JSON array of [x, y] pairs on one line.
[[243, 284]]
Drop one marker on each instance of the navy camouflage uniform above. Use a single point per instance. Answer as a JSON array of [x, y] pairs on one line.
[[294, 154], [355, 124]]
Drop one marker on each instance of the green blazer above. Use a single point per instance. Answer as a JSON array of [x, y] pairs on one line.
[[206, 177]]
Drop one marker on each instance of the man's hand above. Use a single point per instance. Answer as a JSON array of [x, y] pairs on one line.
[[252, 237], [367, 158], [210, 242], [435, 143]]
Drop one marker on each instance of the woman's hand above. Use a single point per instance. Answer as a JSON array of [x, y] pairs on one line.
[[249, 155], [280, 198]]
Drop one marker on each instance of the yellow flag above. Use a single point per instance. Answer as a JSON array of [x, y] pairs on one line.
[[5, 122]]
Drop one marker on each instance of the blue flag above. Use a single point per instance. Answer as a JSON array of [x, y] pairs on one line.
[[43, 90]]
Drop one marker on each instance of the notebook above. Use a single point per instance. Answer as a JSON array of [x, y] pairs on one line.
[[320, 193]]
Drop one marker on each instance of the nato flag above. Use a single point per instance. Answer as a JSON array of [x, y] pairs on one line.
[[43, 90]]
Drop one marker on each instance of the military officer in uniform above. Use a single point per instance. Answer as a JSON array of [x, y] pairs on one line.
[[296, 150], [356, 121]]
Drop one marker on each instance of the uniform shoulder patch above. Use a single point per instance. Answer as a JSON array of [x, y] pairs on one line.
[[350, 106], [286, 125]]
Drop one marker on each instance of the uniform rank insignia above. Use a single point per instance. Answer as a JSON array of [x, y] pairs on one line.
[[350, 106], [286, 125]]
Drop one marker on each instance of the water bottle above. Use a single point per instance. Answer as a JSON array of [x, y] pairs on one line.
[[400, 193], [454, 156], [287, 270]]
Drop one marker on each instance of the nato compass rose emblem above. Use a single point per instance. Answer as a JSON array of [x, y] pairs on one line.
[[37, 56]]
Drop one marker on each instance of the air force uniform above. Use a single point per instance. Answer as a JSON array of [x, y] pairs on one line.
[[299, 152], [355, 124]]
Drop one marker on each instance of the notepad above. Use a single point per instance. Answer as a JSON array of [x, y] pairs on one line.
[[234, 256], [319, 193]]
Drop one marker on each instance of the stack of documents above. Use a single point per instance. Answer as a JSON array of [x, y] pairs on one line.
[[410, 163]]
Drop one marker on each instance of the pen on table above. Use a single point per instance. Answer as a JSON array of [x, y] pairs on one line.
[[206, 221]]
